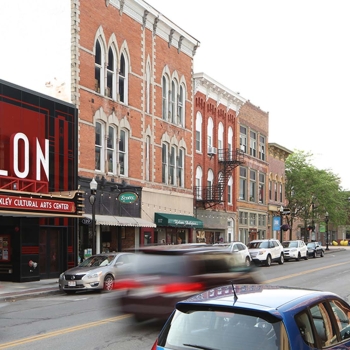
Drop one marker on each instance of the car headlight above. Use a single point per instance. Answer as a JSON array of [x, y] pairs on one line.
[[95, 274], [261, 252]]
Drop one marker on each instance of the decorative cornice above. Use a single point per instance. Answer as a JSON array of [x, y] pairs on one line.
[[144, 19], [180, 43], [121, 8], [156, 20], [172, 31]]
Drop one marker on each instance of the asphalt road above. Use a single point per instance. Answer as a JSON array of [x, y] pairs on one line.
[[93, 320]]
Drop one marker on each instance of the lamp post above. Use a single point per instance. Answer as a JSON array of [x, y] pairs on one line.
[[281, 222], [327, 219], [92, 200]]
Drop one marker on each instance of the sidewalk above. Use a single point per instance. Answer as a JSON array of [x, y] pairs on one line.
[[12, 291]]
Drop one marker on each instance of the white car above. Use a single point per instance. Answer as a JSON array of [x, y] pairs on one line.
[[266, 251], [240, 251], [296, 249]]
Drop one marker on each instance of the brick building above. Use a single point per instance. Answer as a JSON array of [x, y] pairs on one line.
[[217, 157], [132, 84]]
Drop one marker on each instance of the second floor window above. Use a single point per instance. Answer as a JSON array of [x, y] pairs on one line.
[[242, 183], [243, 138], [99, 158], [261, 188], [123, 153], [252, 186], [253, 144], [123, 79], [111, 151]]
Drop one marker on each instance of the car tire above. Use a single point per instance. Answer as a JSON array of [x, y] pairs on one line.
[[268, 260], [315, 255], [322, 254], [281, 259], [247, 262], [299, 257], [306, 257], [108, 283]]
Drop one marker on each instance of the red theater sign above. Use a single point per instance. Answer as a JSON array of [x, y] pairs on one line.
[[36, 204]]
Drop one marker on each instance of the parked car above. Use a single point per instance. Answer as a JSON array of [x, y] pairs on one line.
[[315, 249], [266, 251], [95, 273], [164, 275], [239, 249], [260, 317], [296, 249]]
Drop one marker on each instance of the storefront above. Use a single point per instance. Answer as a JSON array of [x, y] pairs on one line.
[[39, 200], [175, 229]]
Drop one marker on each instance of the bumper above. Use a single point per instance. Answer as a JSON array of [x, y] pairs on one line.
[[80, 285]]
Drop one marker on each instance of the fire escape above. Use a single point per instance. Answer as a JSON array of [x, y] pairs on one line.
[[228, 161]]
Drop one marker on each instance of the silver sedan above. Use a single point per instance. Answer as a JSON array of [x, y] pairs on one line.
[[97, 272]]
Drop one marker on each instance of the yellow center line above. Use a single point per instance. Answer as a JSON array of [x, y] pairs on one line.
[[61, 331], [303, 273]]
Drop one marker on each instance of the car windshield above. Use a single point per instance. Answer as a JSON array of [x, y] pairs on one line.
[[290, 244], [221, 330], [99, 260], [311, 245], [258, 245]]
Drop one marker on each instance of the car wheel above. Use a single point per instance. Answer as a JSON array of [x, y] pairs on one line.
[[322, 254], [306, 257], [268, 260], [315, 255], [108, 282], [298, 258], [281, 260], [247, 262]]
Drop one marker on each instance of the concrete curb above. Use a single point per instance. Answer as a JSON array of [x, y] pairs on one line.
[[12, 297]]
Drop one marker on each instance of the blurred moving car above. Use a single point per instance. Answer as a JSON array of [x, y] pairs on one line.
[[95, 273], [266, 251], [164, 275], [239, 249], [315, 249], [260, 317], [296, 249]]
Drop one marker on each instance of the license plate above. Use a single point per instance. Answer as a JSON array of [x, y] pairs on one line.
[[72, 283]]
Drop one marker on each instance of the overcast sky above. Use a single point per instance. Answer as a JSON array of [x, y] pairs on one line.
[[290, 58]]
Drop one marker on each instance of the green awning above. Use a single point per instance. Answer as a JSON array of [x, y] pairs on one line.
[[175, 220]]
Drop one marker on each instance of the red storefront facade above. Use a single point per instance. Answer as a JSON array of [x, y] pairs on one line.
[[39, 200]]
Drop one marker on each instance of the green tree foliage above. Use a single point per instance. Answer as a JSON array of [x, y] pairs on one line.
[[311, 193]]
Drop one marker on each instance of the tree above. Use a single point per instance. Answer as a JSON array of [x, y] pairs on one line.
[[311, 192]]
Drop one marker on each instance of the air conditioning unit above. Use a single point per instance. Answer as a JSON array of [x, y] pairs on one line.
[[211, 150]]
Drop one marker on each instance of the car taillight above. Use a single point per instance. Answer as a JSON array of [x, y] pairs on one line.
[[154, 347], [181, 287], [126, 284]]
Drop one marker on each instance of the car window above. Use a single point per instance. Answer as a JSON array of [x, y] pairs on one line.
[[221, 330], [253, 245], [342, 317], [323, 325], [98, 260], [303, 322], [125, 258]]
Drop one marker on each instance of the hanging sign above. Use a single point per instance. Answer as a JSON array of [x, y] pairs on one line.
[[128, 197]]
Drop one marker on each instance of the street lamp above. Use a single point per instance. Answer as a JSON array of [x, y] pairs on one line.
[[92, 200], [281, 222], [327, 219]]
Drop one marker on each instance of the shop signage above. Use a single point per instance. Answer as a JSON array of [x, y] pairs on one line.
[[86, 221], [37, 204], [128, 197], [20, 150]]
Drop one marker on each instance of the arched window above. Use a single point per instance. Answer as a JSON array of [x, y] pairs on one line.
[[210, 181], [199, 132], [230, 142], [148, 156], [180, 168], [99, 154], [181, 106], [229, 190], [148, 88], [199, 175], [165, 162], [99, 66], [221, 141], [165, 97], [111, 75], [173, 102], [172, 165], [111, 150], [210, 128], [123, 152], [123, 78]]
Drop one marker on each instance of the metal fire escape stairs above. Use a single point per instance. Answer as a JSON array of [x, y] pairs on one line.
[[228, 159]]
